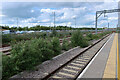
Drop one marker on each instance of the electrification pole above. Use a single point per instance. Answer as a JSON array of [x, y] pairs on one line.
[[96, 24], [104, 11], [54, 20], [117, 27], [17, 22], [108, 26], [75, 22]]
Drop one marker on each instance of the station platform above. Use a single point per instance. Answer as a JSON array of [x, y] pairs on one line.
[[106, 63]]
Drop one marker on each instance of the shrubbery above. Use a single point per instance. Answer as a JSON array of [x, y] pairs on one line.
[[78, 39], [56, 46], [6, 38], [54, 33], [65, 45], [91, 36], [26, 55], [14, 38]]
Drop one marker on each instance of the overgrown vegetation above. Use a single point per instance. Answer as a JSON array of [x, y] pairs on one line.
[[56, 46], [78, 39], [15, 38], [66, 45], [54, 33], [26, 55], [91, 36]]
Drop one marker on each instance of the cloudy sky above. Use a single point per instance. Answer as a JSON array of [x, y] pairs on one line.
[[41, 13]]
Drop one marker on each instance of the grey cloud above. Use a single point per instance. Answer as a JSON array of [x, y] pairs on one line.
[[22, 10]]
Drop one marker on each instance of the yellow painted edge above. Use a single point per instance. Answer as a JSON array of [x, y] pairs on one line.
[[118, 62], [107, 71]]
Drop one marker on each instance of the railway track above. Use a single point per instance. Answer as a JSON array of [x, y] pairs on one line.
[[72, 69], [6, 50]]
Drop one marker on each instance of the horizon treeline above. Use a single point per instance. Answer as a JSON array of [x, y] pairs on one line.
[[39, 27]]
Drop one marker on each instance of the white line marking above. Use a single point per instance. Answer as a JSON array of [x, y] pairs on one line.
[[93, 60]]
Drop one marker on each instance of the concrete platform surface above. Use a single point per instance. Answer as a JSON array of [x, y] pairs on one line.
[[111, 66], [103, 65]]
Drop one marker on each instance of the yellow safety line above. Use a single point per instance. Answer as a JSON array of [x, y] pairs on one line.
[[110, 69], [118, 62]]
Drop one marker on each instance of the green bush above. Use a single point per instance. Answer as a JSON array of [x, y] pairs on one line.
[[65, 45], [14, 38], [6, 39], [89, 36], [96, 36], [61, 35], [27, 54], [56, 46], [78, 39], [43, 35], [54, 33], [70, 33], [8, 67]]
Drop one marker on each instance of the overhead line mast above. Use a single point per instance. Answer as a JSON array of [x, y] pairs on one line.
[[101, 12], [54, 19], [17, 22]]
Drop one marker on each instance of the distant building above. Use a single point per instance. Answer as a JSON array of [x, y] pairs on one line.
[[5, 31]]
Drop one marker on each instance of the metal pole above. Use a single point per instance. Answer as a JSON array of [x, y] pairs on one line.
[[54, 20], [17, 22], [50, 26], [75, 23], [96, 24], [117, 28], [108, 26], [66, 26]]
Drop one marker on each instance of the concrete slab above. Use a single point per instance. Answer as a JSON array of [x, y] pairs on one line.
[[110, 70]]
